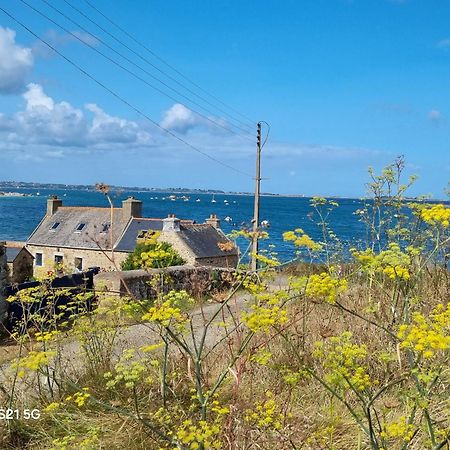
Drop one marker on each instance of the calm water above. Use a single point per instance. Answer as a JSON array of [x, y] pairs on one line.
[[20, 215]]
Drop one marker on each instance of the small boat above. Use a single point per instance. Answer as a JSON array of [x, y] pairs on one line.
[[228, 219], [197, 200], [172, 197], [265, 223], [213, 200], [38, 193]]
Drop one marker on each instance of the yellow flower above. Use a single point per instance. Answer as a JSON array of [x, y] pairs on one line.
[[301, 239], [322, 287], [436, 215], [399, 429], [427, 335], [265, 414], [32, 362], [51, 407]]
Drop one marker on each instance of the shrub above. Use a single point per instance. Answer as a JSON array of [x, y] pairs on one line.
[[152, 254]]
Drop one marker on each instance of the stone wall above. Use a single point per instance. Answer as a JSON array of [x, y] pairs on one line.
[[22, 268], [3, 282], [173, 238], [229, 261], [145, 284], [91, 258]]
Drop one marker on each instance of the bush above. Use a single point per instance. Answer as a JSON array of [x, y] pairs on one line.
[[151, 254]]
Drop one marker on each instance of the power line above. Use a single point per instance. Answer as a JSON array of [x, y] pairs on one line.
[[119, 97], [143, 58], [118, 64], [145, 47]]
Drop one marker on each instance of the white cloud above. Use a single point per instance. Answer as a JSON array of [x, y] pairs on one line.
[[59, 40], [109, 129], [45, 121], [444, 43], [181, 119], [435, 116], [59, 126], [36, 98], [15, 62]]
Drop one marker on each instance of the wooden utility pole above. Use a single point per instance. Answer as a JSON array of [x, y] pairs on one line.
[[254, 261]]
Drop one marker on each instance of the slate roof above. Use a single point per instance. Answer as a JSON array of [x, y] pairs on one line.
[[12, 252], [127, 242], [93, 235], [204, 239]]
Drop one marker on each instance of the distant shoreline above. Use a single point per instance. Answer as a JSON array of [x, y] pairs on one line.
[[84, 187], [91, 188]]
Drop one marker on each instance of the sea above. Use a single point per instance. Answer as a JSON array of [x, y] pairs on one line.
[[19, 216]]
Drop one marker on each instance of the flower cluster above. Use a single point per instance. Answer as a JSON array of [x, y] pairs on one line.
[[393, 262], [46, 336], [436, 215], [321, 287], [127, 371], [265, 414], [266, 313], [164, 314], [79, 398], [301, 240], [32, 362], [399, 429], [200, 435], [344, 362], [427, 335]]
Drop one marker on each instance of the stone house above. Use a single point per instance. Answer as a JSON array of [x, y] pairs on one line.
[[20, 262], [81, 237], [198, 244]]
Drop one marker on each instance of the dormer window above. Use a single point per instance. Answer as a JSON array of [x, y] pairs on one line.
[[55, 226], [80, 227]]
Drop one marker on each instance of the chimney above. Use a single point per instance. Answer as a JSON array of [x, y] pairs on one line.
[[53, 203], [131, 207], [171, 223], [213, 220]]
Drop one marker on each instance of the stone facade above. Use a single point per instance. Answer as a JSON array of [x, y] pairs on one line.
[[173, 238], [21, 267], [71, 259], [3, 282], [197, 281]]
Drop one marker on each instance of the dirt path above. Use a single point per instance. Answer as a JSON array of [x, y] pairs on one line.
[[138, 335]]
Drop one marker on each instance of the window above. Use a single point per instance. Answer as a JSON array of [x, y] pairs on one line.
[[80, 227], [58, 259], [38, 259], [145, 234], [78, 263], [55, 226]]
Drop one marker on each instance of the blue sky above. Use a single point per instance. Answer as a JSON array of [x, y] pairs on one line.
[[344, 85]]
